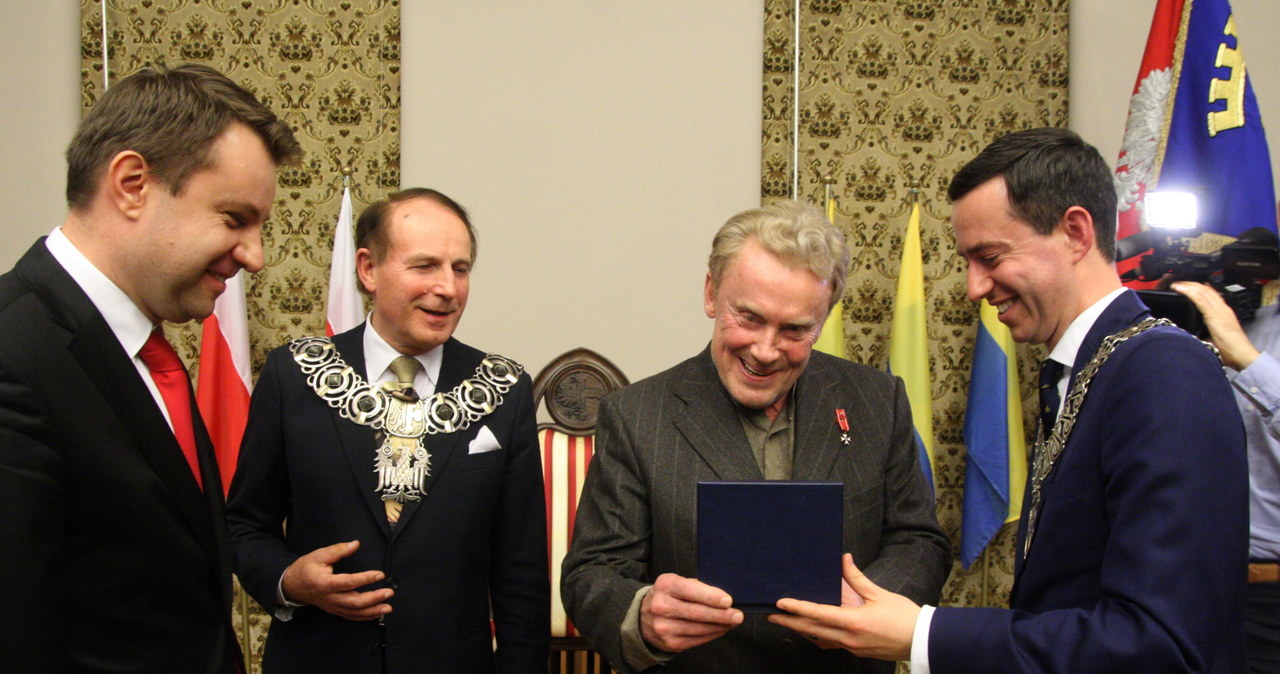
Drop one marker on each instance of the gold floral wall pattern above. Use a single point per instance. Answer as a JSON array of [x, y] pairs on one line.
[[896, 95], [331, 70]]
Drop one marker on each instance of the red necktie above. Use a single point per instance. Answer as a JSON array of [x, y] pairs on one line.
[[171, 378]]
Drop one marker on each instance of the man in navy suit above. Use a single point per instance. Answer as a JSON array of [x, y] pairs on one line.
[[115, 545], [1134, 534], [385, 527]]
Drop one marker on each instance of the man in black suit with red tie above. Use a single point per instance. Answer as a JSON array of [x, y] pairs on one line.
[[111, 512]]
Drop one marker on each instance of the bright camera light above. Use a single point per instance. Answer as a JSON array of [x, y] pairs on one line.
[[1171, 210]]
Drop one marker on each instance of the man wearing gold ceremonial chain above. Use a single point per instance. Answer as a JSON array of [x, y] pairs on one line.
[[1131, 548], [388, 500]]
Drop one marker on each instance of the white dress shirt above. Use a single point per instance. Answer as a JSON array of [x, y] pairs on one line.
[[378, 355], [127, 322]]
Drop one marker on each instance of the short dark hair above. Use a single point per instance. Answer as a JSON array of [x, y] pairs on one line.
[[1047, 171], [171, 116], [370, 230]]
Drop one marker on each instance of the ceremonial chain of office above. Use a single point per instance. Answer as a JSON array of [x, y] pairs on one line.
[[1047, 449], [344, 390], [402, 474]]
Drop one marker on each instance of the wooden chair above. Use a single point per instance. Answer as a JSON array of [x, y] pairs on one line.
[[570, 388]]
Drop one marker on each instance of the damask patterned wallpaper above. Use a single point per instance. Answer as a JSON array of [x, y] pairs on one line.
[[896, 95], [331, 70]]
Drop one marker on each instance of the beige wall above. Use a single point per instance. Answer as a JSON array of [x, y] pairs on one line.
[[598, 145], [40, 47]]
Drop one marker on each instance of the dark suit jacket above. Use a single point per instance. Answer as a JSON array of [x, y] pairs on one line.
[[478, 535], [113, 558], [1138, 560], [658, 437]]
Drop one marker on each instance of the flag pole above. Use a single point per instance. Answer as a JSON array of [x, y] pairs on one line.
[[795, 106], [106, 50]]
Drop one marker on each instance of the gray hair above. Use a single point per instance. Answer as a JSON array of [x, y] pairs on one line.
[[796, 233]]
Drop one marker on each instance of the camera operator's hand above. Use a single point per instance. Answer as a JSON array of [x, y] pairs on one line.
[[1224, 328]]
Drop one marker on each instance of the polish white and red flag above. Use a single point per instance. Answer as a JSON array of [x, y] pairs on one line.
[[223, 390], [345, 309]]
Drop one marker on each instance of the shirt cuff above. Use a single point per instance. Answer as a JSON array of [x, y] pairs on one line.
[[638, 655], [920, 641], [284, 607]]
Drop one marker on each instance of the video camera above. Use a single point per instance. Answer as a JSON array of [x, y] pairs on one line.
[[1234, 271]]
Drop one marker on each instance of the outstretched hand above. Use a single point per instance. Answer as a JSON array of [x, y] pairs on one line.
[[311, 580], [871, 622]]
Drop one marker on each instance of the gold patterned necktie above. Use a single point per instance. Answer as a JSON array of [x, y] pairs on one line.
[[405, 368]]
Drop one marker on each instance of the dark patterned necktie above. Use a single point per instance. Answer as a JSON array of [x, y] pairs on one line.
[[1050, 373]]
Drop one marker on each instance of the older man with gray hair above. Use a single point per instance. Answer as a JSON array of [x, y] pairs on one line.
[[757, 403]]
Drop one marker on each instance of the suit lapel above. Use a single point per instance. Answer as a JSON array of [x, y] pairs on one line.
[[359, 443], [817, 433], [454, 369], [711, 425], [96, 349], [214, 499], [1125, 310]]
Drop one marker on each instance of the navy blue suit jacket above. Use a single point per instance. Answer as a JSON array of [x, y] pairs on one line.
[[1139, 556], [476, 540]]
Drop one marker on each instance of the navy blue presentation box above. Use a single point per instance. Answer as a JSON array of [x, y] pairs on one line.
[[763, 540]]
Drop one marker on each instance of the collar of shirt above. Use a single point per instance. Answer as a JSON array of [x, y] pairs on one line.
[[126, 321], [130, 326], [771, 441], [760, 420], [1068, 346], [378, 355]]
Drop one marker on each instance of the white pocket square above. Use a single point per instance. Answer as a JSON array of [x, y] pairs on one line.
[[483, 442]]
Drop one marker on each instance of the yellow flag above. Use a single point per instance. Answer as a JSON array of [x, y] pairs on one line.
[[832, 338], [909, 340]]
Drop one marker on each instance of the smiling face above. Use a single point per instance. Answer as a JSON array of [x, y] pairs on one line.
[[767, 317], [420, 284], [1025, 275], [187, 245]]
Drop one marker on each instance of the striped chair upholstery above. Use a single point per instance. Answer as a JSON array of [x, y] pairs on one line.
[[564, 465], [569, 389]]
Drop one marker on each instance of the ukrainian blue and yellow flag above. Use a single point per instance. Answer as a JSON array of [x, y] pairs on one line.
[[995, 474], [909, 341]]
